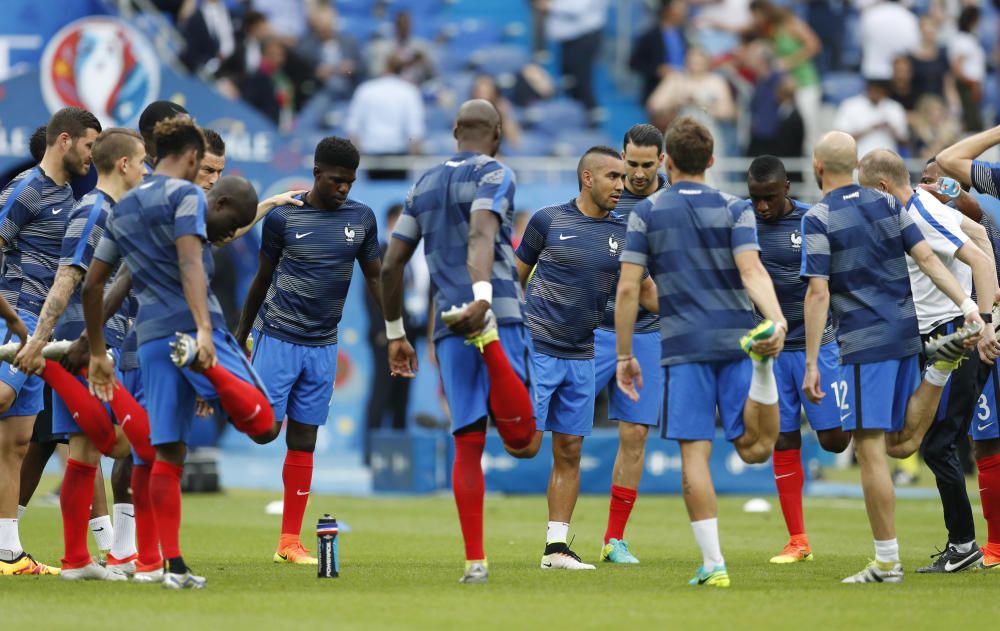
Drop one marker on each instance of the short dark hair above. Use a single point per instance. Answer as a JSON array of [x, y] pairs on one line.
[[74, 121], [643, 135], [767, 168], [968, 18], [112, 144], [214, 143], [176, 136], [154, 113], [334, 151], [37, 144], [689, 145], [582, 165]]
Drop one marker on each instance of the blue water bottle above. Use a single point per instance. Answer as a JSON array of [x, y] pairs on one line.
[[949, 187], [326, 543]]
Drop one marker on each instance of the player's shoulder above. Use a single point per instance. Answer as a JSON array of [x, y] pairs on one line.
[[360, 209], [86, 204], [489, 170], [27, 185], [176, 187]]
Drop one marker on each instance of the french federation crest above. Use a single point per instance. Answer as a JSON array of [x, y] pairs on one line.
[[796, 240]]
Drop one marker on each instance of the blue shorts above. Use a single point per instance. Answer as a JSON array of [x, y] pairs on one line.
[[300, 378], [170, 391], [646, 346], [984, 424], [789, 370], [62, 420], [693, 392], [564, 394], [132, 382], [874, 395], [463, 373], [29, 397]]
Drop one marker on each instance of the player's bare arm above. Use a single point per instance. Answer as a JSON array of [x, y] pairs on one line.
[[78, 354], [12, 319], [29, 358], [373, 279], [101, 372], [648, 298], [189, 261], [483, 228], [956, 160], [984, 278], [817, 308], [266, 206], [524, 272], [255, 298], [402, 357], [628, 373], [761, 291], [931, 265]]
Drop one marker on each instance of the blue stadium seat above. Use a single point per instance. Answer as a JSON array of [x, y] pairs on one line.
[[532, 144], [556, 116], [438, 119], [439, 143], [839, 86], [573, 145], [498, 60], [470, 34]]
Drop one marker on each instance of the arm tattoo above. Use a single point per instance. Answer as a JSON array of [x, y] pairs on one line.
[[67, 279]]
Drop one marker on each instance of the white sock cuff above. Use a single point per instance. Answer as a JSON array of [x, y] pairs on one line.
[[763, 385], [20, 510], [936, 377], [103, 531], [556, 532], [887, 551]]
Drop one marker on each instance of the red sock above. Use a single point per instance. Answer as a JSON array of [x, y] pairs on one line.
[[75, 498], [296, 475], [165, 494], [87, 411], [989, 493], [789, 478], [469, 487], [245, 405], [510, 401], [622, 501], [147, 539], [134, 422]]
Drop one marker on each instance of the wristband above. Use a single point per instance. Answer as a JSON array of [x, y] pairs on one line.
[[968, 306], [483, 290], [394, 329], [625, 359], [987, 317]]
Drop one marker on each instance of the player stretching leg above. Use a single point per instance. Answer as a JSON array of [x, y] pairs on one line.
[[575, 247], [462, 209], [306, 261], [35, 208], [691, 236], [643, 154], [779, 221], [859, 271]]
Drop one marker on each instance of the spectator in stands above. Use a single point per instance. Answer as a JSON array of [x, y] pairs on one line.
[[246, 57], [929, 61], [335, 57], [828, 18], [933, 127], [485, 87], [386, 118], [577, 26], [776, 127], [287, 17], [887, 30], [662, 48], [415, 54], [208, 34], [901, 84], [696, 91], [968, 64], [719, 24], [874, 119], [268, 89]]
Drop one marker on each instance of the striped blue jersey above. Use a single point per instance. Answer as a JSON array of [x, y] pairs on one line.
[[576, 273], [645, 322], [32, 223], [781, 253], [143, 230], [437, 210], [84, 232], [313, 251], [993, 232], [986, 177], [857, 238], [687, 236]]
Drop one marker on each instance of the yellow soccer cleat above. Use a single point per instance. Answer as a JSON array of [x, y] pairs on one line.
[[718, 577], [795, 551], [24, 565], [760, 332], [294, 553]]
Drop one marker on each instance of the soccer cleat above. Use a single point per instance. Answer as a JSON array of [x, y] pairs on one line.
[[489, 333], [295, 553], [122, 566], [558, 556], [760, 332], [793, 552], [476, 572], [616, 551], [991, 560], [718, 577], [187, 580], [950, 560], [946, 352], [92, 572], [148, 574], [24, 565], [876, 572], [183, 350]]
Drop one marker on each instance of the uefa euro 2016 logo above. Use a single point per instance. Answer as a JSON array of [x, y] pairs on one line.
[[103, 65]]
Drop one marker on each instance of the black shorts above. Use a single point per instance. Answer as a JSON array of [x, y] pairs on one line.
[[42, 432], [963, 389]]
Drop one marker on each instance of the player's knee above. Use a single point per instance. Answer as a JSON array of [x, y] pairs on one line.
[[300, 437], [789, 440], [526, 452], [7, 397], [754, 454], [566, 449], [986, 448], [832, 440]]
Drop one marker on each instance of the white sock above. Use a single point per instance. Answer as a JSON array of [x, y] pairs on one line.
[[964, 548], [10, 542], [20, 511], [935, 376], [706, 533], [103, 532], [763, 387], [123, 545], [556, 532], [887, 551]]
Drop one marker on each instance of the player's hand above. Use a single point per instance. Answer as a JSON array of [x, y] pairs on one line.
[[206, 351], [281, 199], [933, 190], [472, 320], [203, 408], [101, 377], [989, 348], [772, 346], [402, 359], [17, 328], [77, 355], [810, 385], [629, 377], [971, 320], [29, 358]]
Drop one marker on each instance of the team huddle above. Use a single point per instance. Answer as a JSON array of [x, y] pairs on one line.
[[690, 304]]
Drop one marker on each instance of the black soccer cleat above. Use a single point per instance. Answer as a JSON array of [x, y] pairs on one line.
[[950, 560]]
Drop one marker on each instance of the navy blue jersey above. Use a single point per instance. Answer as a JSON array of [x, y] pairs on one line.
[[857, 238], [985, 177], [437, 210], [687, 236], [313, 251], [576, 273], [32, 223], [143, 230], [781, 253]]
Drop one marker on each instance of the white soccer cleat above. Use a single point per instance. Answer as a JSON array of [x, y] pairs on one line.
[[950, 347], [183, 350], [52, 350], [558, 556], [187, 580], [475, 573], [876, 572], [152, 576], [92, 572]]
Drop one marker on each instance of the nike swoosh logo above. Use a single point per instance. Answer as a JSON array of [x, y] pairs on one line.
[[784, 475], [844, 417], [128, 515], [565, 238], [950, 567], [99, 529], [76, 415], [702, 581], [56, 211], [283, 557], [256, 411], [547, 564], [302, 493], [128, 417], [304, 234], [982, 427]]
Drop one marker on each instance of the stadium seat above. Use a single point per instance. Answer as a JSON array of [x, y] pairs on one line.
[[498, 60], [531, 144], [574, 144], [839, 86], [556, 116], [440, 143], [471, 34]]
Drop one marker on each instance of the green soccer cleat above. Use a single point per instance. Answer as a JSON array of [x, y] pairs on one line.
[[760, 332], [718, 577], [616, 551]]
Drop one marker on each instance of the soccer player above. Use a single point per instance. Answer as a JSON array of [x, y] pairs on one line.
[[779, 221], [575, 247], [295, 304], [860, 272], [214, 162], [691, 237], [462, 209], [155, 113], [642, 151], [35, 207]]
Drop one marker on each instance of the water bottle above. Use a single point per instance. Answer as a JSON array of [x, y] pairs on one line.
[[326, 542], [949, 187]]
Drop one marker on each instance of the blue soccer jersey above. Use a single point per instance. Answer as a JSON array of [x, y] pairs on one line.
[[577, 272], [781, 253], [32, 223], [857, 238], [143, 231], [313, 251], [84, 232], [687, 236], [986, 177], [437, 210]]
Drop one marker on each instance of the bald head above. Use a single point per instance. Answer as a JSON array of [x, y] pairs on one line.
[[477, 127], [231, 205], [883, 167], [837, 153]]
